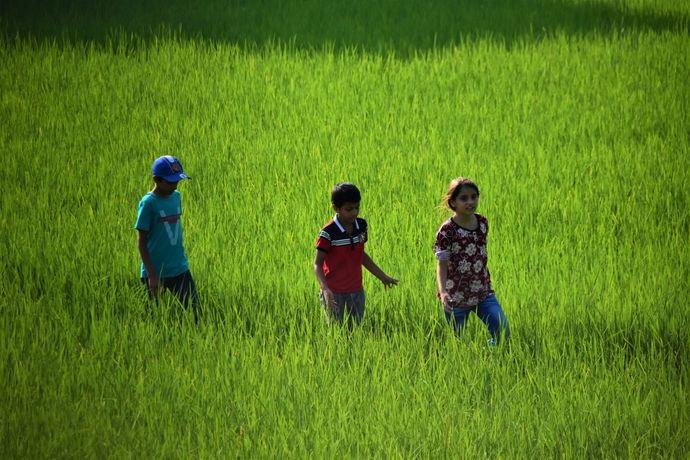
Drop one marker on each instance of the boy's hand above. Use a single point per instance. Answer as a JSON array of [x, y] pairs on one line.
[[388, 281], [330, 299], [154, 285], [447, 302]]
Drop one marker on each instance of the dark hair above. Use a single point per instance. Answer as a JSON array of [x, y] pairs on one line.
[[454, 188], [345, 192]]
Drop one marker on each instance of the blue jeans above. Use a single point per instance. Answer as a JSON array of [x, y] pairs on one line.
[[489, 311], [184, 289]]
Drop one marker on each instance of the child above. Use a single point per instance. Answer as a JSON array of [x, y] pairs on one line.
[[159, 235], [462, 276], [340, 255]]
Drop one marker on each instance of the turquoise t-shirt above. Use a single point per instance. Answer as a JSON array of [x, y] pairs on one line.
[[161, 219]]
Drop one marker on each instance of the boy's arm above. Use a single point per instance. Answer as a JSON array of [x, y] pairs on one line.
[[441, 278], [321, 278], [142, 240], [377, 272]]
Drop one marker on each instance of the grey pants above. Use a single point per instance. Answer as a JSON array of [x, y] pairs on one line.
[[351, 303]]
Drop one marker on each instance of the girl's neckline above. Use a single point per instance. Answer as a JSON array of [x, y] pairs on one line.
[[465, 228]]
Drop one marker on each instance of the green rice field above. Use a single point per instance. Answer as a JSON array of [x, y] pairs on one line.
[[573, 117]]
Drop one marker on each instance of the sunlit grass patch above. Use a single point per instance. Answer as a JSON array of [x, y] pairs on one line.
[[579, 142]]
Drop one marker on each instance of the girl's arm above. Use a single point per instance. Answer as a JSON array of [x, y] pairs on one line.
[[441, 278], [377, 272], [321, 278]]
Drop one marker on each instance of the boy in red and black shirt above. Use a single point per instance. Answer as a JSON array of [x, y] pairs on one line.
[[340, 255]]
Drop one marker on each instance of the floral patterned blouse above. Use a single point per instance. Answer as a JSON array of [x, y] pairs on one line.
[[468, 282]]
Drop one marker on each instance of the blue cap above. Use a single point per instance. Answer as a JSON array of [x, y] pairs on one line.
[[168, 168]]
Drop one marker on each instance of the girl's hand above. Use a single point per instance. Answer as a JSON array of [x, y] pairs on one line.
[[388, 281], [447, 302]]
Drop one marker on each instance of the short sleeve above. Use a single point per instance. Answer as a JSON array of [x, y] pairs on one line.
[[323, 241], [442, 244], [143, 217]]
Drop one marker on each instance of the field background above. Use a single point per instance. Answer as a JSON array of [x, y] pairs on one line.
[[572, 116]]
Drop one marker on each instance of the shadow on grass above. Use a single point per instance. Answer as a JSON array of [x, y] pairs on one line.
[[400, 27]]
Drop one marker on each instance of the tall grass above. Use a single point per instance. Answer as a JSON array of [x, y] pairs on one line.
[[579, 142]]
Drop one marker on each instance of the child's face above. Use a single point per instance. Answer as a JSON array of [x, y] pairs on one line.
[[164, 187], [466, 201], [347, 213]]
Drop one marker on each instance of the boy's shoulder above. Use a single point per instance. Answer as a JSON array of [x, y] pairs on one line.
[[333, 224], [329, 224], [332, 228], [151, 197], [146, 199]]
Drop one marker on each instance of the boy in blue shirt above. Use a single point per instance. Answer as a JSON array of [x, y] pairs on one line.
[[159, 236]]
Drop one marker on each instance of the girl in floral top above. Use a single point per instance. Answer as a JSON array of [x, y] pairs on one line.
[[464, 283]]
